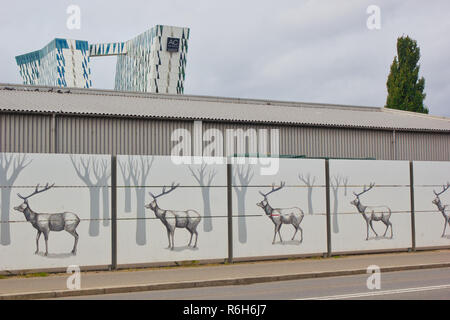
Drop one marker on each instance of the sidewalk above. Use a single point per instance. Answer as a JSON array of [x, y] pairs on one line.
[[233, 274]]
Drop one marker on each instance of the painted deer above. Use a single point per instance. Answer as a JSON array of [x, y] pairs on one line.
[[444, 209], [280, 216], [46, 222], [372, 213], [171, 219]]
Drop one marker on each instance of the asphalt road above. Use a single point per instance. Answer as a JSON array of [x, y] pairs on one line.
[[424, 284]]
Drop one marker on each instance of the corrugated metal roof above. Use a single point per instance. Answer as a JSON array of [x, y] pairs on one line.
[[18, 98]]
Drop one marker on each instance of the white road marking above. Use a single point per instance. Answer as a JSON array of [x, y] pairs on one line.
[[378, 293]]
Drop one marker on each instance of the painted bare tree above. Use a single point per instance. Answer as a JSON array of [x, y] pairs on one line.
[[102, 173], [85, 167], [126, 174], [139, 170], [204, 178], [245, 175], [10, 167], [335, 184], [310, 184], [345, 182]]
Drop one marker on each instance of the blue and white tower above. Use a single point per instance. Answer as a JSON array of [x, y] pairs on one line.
[[62, 63], [154, 61]]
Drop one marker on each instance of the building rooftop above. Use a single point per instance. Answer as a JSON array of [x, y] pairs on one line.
[[41, 99]]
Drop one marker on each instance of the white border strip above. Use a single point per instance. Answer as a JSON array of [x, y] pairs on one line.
[[378, 293]]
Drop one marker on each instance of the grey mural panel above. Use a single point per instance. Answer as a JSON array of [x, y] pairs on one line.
[[432, 203], [48, 216], [375, 215], [279, 213], [179, 212]]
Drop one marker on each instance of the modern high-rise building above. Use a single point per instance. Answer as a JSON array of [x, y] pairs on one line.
[[62, 63], [154, 61]]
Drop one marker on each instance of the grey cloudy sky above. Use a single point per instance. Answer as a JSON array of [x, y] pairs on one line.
[[302, 50]]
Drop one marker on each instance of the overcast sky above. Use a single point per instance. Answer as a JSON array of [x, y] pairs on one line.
[[301, 50]]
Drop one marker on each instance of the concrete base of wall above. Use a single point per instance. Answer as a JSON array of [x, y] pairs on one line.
[[52, 270], [360, 252], [432, 248], [189, 263]]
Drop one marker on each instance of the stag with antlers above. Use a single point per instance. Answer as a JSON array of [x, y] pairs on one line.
[[280, 216], [172, 219], [46, 222], [372, 213], [443, 208]]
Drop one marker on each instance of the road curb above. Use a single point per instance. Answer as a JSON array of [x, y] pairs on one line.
[[207, 283]]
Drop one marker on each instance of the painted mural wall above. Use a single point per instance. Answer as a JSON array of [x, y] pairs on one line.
[[280, 214], [370, 205], [170, 212], [63, 198], [432, 203]]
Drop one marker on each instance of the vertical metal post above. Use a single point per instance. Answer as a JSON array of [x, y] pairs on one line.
[[113, 212], [413, 213], [230, 212], [327, 196]]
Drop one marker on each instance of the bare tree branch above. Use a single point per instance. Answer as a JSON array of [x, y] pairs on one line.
[[84, 177], [139, 175], [134, 170], [211, 176], [345, 185], [96, 170], [19, 165], [198, 178], [8, 161], [337, 182], [99, 167], [244, 175], [308, 181], [146, 165], [201, 175], [124, 168]]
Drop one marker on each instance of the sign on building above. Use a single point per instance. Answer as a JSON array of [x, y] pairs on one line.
[[173, 44]]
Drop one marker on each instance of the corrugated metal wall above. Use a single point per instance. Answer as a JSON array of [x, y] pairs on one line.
[[337, 143], [116, 135], [422, 146], [87, 135], [32, 133], [325, 142], [25, 133]]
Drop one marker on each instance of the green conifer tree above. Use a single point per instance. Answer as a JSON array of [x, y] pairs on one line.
[[405, 89]]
